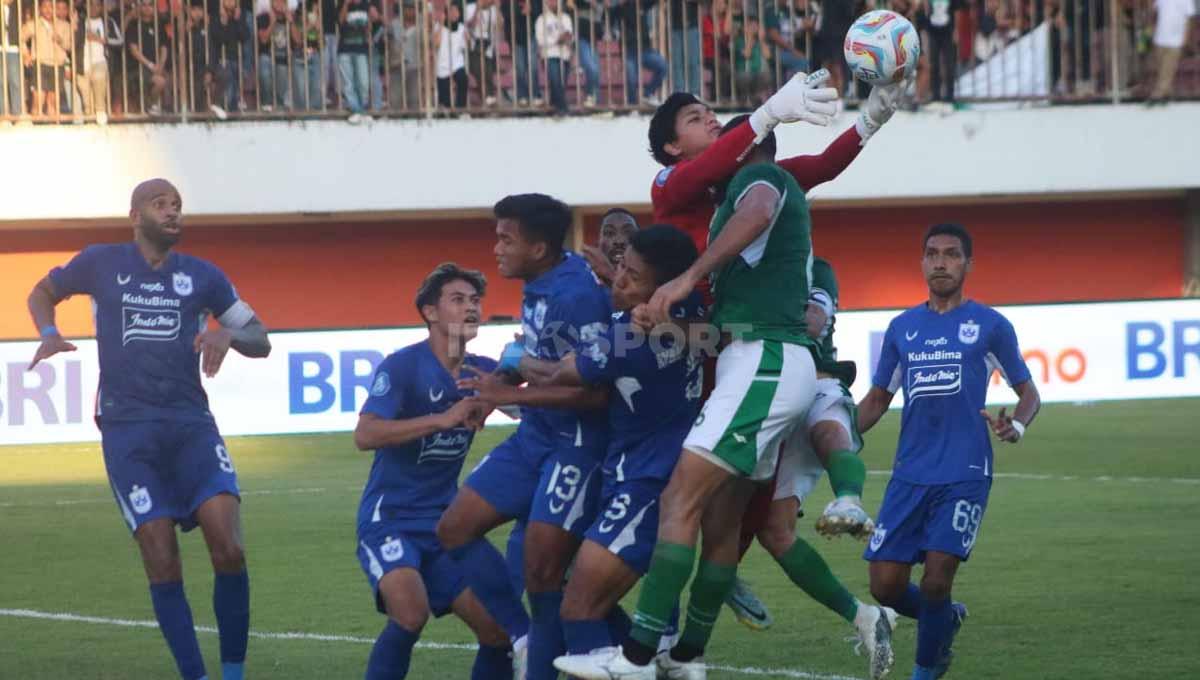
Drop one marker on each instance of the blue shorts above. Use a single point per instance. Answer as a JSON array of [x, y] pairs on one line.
[[628, 523], [386, 546], [530, 477], [166, 469], [917, 518]]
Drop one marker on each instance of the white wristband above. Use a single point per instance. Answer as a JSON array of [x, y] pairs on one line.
[[1020, 428]]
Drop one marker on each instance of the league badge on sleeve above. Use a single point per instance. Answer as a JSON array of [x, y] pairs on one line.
[[382, 385], [182, 283], [968, 332]]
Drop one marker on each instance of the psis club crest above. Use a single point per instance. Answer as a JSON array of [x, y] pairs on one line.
[[392, 550], [182, 283], [140, 499], [968, 333]]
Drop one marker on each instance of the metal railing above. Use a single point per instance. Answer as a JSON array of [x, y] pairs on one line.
[[137, 60]]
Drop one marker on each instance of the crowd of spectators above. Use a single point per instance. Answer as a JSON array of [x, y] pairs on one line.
[[92, 59]]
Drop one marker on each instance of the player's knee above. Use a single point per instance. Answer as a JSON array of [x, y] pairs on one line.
[[164, 569], [449, 531], [543, 573], [411, 619], [492, 635], [678, 508], [886, 592], [228, 558], [935, 587], [777, 538], [828, 437]]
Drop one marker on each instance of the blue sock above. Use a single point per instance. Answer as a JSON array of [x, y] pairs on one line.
[[910, 602], [175, 621], [545, 635], [391, 654], [933, 630], [922, 673], [488, 577], [492, 663], [584, 636], [619, 625], [514, 558], [231, 604]]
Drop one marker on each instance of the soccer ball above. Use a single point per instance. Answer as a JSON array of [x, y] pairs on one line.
[[882, 47]]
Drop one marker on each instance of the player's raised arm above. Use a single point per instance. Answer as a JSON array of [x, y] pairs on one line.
[[813, 170], [42, 300]]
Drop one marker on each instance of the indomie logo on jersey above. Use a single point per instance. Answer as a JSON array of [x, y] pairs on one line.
[[937, 380], [155, 325], [444, 446]]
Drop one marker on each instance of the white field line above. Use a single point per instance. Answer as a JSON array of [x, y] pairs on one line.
[[321, 637]]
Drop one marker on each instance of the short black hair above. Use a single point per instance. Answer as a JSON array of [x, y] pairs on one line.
[[620, 211], [662, 126], [430, 290], [543, 219], [950, 229], [666, 248], [769, 144]]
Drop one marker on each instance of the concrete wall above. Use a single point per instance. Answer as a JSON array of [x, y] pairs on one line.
[[291, 169]]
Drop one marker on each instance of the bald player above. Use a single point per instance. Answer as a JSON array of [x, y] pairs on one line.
[[167, 463]]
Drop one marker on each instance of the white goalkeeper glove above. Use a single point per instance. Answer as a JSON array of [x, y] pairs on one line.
[[801, 98], [878, 109]]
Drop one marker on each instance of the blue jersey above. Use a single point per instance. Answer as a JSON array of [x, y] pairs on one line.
[[146, 323], [656, 385], [415, 482], [943, 362], [562, 311]]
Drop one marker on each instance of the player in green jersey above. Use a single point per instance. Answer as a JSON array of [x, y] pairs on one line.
[[760, 247]]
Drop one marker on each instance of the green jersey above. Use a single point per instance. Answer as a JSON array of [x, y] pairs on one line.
[[824, 292], [762, 293]]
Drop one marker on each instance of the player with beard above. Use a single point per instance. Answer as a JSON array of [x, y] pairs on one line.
[[167, 463]]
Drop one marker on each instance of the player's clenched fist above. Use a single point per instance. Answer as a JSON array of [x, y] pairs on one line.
[[801, 98], [212, 346], [658, 309], [469, 412]]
